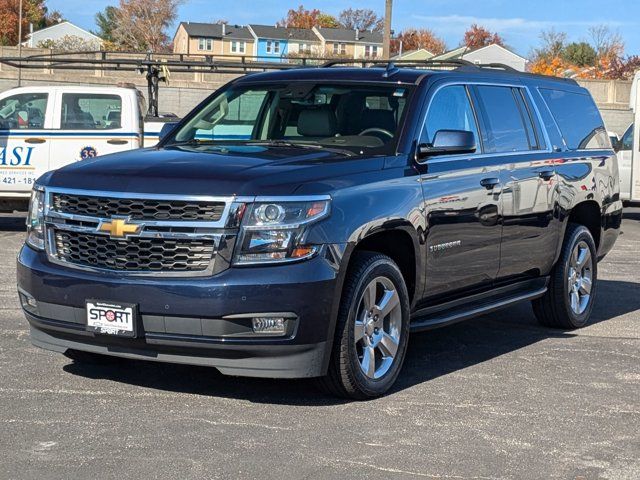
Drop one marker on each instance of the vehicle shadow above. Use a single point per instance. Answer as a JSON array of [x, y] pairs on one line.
[[431, 354]]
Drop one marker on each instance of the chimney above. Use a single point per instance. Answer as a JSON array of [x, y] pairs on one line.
[[357, 34], [224, 29]]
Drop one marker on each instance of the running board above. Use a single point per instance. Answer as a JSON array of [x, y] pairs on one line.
[[453, 312]]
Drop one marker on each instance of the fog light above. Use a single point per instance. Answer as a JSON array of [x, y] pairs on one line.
[[269, 325], [29, 303]]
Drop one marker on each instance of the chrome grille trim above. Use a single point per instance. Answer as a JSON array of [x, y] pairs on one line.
[[212, 231]]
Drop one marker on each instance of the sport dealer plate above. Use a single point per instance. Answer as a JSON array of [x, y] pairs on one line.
[[111, 318]]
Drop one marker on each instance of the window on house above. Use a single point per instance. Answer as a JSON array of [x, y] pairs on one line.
[[273, 46], [205, 44], [238, 46], [370, 51], [339, 48]]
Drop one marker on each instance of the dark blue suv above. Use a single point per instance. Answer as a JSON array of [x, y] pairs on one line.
[[302, 223]]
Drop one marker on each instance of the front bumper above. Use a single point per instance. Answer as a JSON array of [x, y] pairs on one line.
[[199, 321]]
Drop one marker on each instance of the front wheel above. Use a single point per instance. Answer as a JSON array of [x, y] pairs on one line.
[[569, 298], [372, 330]]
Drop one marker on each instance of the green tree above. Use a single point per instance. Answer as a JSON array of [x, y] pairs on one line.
[[581, 54], [107, 22]]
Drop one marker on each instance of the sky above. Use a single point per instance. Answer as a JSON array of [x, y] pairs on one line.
[[518, 21]]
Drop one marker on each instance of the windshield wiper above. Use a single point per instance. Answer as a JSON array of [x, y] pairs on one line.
[[193, 141], [289, 144]]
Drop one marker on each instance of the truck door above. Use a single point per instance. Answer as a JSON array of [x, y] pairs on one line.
[[462, 201], [531, 229], [625, 159], [91, 124], [24, 141]]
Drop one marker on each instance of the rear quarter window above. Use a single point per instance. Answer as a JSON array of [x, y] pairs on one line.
[[578, 119]]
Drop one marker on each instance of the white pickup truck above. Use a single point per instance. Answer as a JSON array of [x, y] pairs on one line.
[[43, 128], [628, 149]]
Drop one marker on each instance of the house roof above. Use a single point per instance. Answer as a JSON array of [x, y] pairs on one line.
[[64, 23], [215, 30], [456, 53], [418, 54], [349, 36], [461, 52], [284, 33]]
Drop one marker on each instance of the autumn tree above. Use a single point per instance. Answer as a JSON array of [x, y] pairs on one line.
[[33, 11], [477, 36], [607, 44], [142, 24], [303, 18], [361, 19], [417, 38]]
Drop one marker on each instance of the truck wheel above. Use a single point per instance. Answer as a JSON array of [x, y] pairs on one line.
[[372, 330], [572, 287]]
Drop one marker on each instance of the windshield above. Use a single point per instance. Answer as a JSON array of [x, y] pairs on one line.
[[363, 119]]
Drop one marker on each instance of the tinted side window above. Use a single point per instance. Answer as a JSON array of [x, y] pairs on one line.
[[23, 111], [91, 111], [627, 139], [578, 119], [450, 109], [506, 131]]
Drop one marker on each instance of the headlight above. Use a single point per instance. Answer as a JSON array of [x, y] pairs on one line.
[[273, 232], [35, 220]]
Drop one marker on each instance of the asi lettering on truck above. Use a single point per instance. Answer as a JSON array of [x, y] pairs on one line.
[[18, 156]]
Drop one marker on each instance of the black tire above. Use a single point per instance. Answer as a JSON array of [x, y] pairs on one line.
[[89, 358], [345, 376], [554, 308]]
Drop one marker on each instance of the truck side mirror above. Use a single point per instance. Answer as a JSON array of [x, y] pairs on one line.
[[166, 129], [449, 142]]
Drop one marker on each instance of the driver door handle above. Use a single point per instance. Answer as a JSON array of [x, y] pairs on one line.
[[115, 141], [490, 183]]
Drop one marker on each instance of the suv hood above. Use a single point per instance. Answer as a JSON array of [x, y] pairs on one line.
[[219, 171]]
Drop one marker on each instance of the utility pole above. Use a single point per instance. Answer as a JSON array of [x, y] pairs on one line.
[[20, 42], [386, 42]]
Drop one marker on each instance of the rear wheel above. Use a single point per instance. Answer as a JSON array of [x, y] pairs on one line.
[[569, 300], [372, 330]]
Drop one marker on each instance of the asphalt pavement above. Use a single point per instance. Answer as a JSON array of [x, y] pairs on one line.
[[495, 397]]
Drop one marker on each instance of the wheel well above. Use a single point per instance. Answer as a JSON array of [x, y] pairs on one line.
[[398, 245], [588, 214]]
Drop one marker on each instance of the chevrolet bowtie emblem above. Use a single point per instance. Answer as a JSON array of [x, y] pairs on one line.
[[119, 228]]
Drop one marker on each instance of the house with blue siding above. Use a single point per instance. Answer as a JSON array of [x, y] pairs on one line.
[[274, 43]]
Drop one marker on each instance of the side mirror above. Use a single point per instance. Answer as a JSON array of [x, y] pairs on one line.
[[617, 145], [449, 142], [166, 129]]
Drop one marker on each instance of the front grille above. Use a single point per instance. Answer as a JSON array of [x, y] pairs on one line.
[[138, 209], [133, 254]]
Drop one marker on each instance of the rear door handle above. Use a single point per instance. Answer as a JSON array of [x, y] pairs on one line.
[[490, 183], [35, 140], [114, 141], [546, 174]]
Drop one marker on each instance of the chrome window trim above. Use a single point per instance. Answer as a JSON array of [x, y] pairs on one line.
[[472, 156]]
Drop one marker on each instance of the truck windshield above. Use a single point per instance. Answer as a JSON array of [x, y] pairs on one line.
[[364, 119]]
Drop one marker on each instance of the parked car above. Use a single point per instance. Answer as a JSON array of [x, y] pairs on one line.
[[43, 128], [303, 223]]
